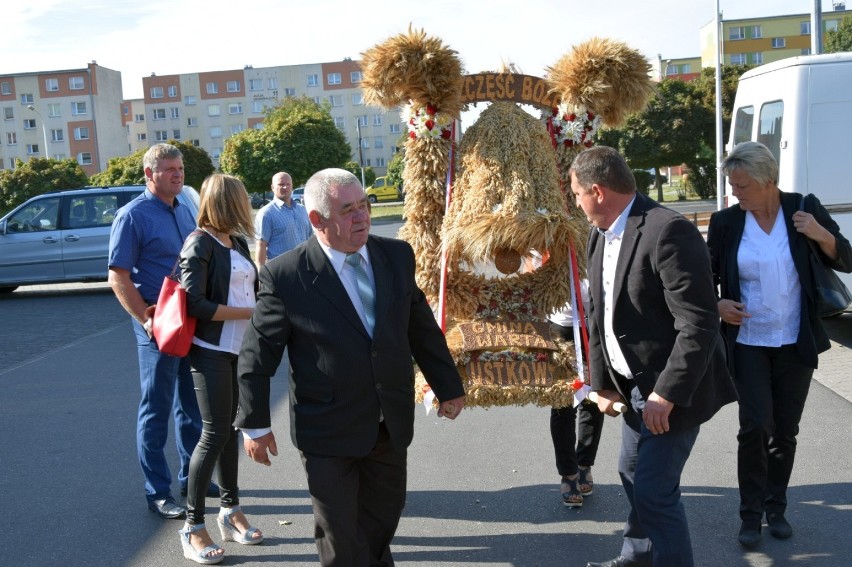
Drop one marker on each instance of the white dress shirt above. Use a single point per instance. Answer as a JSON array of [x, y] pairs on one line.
[[612, 246]]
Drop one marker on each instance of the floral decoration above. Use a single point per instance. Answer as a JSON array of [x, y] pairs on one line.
[[573, 126], [427, 122]]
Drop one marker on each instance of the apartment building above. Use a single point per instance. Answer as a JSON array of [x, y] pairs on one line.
[[62, 114], [205, 108], [757, 41]]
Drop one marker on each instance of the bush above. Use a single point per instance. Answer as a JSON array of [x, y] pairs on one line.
[[699, 179], [643, 180]]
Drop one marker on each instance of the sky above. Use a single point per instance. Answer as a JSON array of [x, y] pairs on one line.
[[140, 37]]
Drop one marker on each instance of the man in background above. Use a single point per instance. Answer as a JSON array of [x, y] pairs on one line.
[[280, 225]]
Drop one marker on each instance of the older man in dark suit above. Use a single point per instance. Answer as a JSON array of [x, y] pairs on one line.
[[655, 342], [346, 305]]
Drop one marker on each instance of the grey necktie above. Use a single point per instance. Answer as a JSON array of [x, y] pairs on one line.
[[365, 290]]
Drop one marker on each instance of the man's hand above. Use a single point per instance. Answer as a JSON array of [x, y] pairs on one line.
[[257, 448], [148, 324], [451, 408], [656, 414], [606, 400]]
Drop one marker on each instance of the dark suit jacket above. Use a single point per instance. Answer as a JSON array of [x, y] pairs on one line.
[[723, 237], [665, 316], [342, 380]]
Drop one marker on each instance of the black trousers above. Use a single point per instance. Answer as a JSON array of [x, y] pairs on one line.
[[773, 386], [575, 442], [357, 504], [215, 376]]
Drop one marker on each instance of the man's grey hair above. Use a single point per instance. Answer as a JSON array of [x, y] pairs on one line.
[[603, 165], [755, 160], [318, 189], [158, 152]]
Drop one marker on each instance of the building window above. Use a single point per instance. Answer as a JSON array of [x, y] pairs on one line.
[[257, 107], [235, 108], [756, 32], [11, 163], [5, 88], [84, 158], [334, 78], [377, 120], [736, 33], [26, 99], [176, 134], [172, 91], [357, 99], [76, 83], [233, 86], [29, 123], [340, 122], [378, 142], [336, 100], [805, 28], [258, 126], [159, 113], [369, 163], [394, 128], [380, 162], [356, 76], [215, 153], [272, 83], [54, 109], [57, 135], [196, 143], [156, 92], [237, 128], [365, 142], [738, 59], [81, 133], [175, 111], [139, 118], [757, 58], [289, 92], [161, 135], [192, 121], [141, 137], [78, 108], [778, 43], [806, 51], [831, 25], [255, 84], [189, 100], [313, 80], [216, 132], [213, 110], [361, 120], [32, 149], [51, 85], [9, 113], [212, 88], [11, 138]]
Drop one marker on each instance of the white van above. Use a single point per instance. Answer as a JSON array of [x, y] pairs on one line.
[[801, 109]]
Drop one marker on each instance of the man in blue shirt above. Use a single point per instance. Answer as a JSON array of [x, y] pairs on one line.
[[282, 224], [145, 241]]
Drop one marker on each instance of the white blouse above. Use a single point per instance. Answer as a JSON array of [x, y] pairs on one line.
[[769, 285]]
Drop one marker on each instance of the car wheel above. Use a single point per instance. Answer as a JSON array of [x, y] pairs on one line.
[[372, 198], [7, 289]]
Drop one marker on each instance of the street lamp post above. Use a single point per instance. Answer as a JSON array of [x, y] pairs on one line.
[[43, 129]]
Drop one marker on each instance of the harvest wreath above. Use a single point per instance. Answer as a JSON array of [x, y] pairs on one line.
[[489, 217]]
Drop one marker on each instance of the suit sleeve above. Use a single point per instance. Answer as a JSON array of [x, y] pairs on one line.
[[683, 265], [261, 352], [843, 262]]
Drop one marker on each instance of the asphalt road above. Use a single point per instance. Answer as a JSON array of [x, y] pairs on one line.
[[482, 490]]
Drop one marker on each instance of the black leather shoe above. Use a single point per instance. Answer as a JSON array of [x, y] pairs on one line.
[[779, 527], [212, 490], [617, 562], [167, 509], [749, 534]]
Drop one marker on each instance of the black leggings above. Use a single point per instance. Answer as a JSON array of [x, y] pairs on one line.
[[215, 376]]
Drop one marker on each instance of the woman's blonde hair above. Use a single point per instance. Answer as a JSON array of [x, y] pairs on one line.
[[225, 205]]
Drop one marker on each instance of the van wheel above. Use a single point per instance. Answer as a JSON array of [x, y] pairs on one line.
[[372, 198], [7, 289]]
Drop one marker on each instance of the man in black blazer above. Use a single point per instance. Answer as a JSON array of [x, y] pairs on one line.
[[352, 381], [655, 343]]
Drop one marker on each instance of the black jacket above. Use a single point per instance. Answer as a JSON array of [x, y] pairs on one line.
[[206, 275]]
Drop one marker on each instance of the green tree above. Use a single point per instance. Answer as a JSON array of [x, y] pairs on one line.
[[298, 136], [669, 130], [395, 168], [37, 176], [705, 84], [369, 174], [840, 39], [128, 170]]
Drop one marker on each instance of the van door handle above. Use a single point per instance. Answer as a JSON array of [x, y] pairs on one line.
[[50, 240], [72, 238]]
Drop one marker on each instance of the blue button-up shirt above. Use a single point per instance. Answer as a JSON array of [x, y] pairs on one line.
[[282, 227], [146, 238]]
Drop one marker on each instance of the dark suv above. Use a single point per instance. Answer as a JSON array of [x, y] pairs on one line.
[[64, 236]]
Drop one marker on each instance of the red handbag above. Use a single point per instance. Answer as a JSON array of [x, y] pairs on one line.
[[173, 329]]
